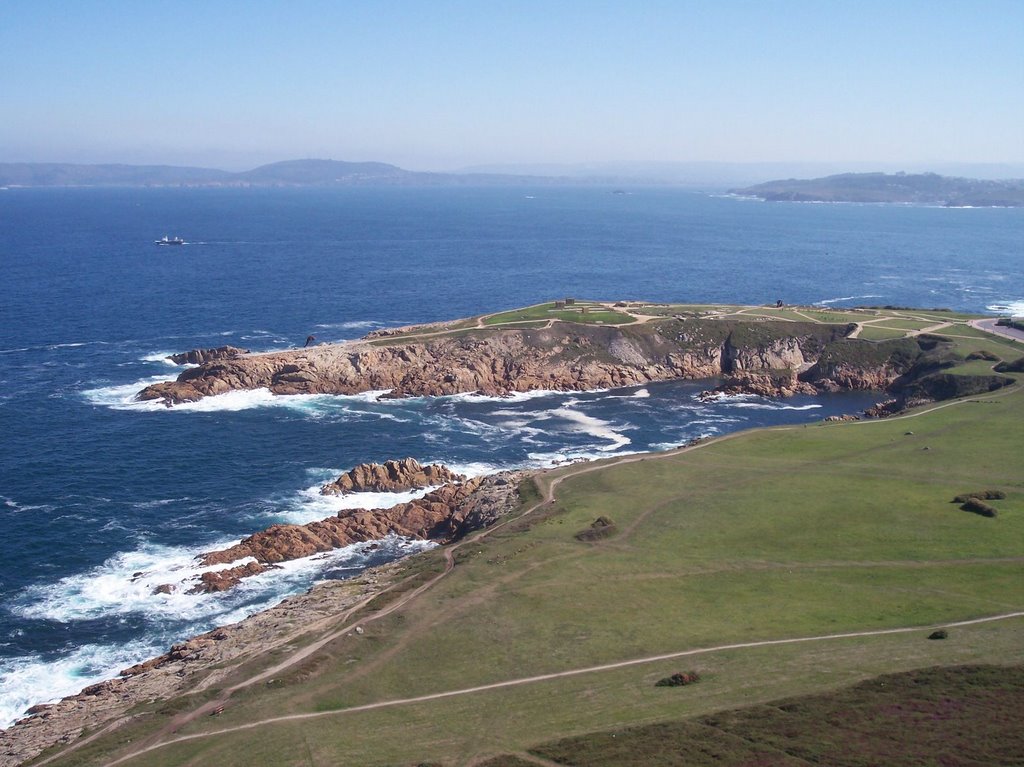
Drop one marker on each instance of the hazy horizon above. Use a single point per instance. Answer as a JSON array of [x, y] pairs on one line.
[[456, 85]]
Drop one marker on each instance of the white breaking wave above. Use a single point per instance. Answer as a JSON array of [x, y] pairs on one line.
[[354, 325], [595, 427], [828, 301], [117, 588], [769, 405], [519, 396], [122, 396], [1016, 308], [27, 680]]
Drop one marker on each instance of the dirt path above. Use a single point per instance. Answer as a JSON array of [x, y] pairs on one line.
[[547, 486], [564, 674]]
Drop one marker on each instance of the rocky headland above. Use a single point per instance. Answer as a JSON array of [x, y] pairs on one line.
[[562, 357], [752, 356]]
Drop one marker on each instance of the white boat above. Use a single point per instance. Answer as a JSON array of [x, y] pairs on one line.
[[165, 240]]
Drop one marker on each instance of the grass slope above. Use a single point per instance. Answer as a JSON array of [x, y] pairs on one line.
[[774, 534], [952, 716]]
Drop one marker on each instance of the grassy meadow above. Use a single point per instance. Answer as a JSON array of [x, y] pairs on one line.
[[774, 534]]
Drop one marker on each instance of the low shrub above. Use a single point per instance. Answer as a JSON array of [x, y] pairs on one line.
[[600, 528], [1017, 366], [979, 507], [679, 679], [984, 495], [984, 354], [940, 634]]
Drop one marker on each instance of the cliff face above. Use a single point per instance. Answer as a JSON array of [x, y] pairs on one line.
[[565, 357]]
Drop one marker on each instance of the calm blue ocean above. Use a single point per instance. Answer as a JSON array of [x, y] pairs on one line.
[[95, 489]]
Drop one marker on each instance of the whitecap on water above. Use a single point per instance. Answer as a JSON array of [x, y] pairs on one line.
[[28, 680], [115, 589], [1016, 308], [595, 427]]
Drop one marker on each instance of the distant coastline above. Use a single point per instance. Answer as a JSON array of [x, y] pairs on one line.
[[896, 188]]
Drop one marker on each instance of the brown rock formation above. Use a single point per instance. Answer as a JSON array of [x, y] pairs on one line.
[[391, 477], [565, 357], [199, 356], [762, 384], [445, 514]]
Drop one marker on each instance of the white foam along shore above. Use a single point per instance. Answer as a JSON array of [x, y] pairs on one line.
[[117, 588]]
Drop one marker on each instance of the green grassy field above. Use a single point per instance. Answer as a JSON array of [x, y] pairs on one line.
[[878, 333], [959, 715], [595, 314], [769, 535]]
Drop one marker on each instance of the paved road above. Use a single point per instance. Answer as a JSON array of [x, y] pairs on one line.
[[989, 326]]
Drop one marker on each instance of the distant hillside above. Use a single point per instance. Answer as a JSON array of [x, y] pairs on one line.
[[288, 173], [920, 188]]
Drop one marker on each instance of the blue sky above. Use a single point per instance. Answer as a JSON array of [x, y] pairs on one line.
[[442, 85]]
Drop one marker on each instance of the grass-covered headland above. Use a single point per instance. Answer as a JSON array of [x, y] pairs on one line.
[[772, 564]]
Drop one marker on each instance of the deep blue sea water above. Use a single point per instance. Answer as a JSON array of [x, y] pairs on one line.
[[94, 488]]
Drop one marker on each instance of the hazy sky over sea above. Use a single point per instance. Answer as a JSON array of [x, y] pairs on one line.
[[445, 84]]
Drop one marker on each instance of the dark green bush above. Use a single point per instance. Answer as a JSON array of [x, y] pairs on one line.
[[979, 507], [983, 354], [940, 634], [679, 679], [602, 527], [1017, 366], [985, 495]]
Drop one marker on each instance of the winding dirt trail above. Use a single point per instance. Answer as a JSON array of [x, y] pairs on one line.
[[562, 675], [547, 486]]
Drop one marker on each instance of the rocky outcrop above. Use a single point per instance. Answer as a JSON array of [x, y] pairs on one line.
[[565, 357], [781, 384], [444, 515], [391, 477], [199, 356]]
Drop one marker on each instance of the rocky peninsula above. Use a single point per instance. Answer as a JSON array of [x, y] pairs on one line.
[[562, 356], [752, 355]]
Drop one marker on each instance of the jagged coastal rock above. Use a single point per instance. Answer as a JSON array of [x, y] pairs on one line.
[[444, 515], [756, 357], [563, 357], [199, 356], [391, 477]]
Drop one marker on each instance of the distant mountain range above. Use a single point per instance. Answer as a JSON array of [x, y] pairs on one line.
[[288, 173], [919, 188]]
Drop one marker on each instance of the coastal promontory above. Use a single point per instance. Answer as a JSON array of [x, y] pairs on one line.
[[592, 345]]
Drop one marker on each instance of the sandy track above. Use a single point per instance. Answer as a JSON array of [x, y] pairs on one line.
[[562, 675], [156, 741]]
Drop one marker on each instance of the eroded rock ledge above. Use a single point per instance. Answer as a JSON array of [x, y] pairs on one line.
[[444, 515], [564, 357], [199, 356], [391, 477]]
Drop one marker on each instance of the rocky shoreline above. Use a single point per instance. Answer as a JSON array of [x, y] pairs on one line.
[[188, 667], [497, 362], [444, 515], [766, 359]]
